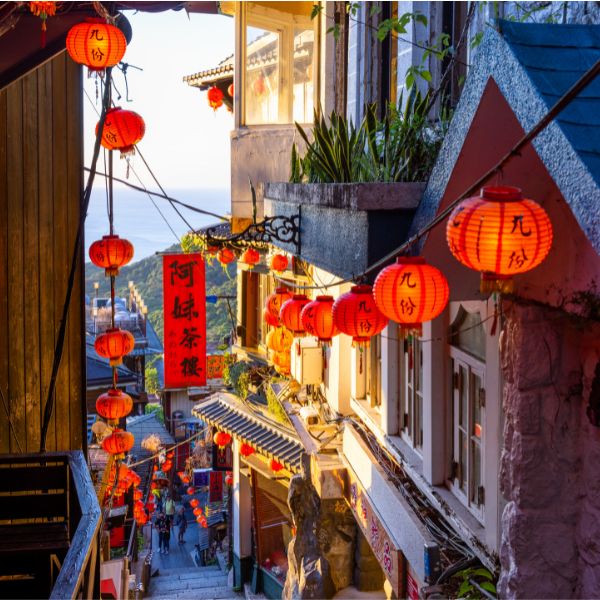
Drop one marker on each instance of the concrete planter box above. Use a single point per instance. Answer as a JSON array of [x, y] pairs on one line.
[[345, 227]]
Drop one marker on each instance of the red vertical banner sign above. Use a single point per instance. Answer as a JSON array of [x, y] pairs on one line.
[[184, 307], [215, 487]]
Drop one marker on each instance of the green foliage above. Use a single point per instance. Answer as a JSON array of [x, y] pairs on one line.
[[237, 375], [481, 576], [275, 407], [147, 276], [402, 147], [151, 379], [157, 409]]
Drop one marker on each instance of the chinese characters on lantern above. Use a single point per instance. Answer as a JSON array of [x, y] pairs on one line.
[[185, 320]]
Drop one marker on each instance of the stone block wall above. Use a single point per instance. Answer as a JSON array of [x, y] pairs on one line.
[[550, 463]]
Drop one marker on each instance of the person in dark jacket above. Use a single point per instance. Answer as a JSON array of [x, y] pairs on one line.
[[164, 533]]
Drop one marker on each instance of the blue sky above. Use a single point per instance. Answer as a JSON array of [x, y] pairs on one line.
[[186, 143]]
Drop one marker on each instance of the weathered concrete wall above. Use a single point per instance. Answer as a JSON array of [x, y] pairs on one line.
[[550, 466]]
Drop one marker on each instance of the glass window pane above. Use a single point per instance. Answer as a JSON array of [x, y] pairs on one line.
[[462, 461], [418, 365], [303, 76], [262, 76], [475, 391], [475, 472], [468, 333], [464, 398]]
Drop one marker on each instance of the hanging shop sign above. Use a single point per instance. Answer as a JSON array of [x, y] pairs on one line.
[[214, 366], [222, 458], [388, 555], [215, 487], [184, 309], [200, 478]]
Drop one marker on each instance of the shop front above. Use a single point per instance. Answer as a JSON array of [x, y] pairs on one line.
[[265, 457]]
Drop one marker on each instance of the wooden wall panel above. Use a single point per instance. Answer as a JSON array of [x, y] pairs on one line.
[[40, 189]]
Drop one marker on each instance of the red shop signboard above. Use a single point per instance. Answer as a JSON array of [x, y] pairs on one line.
[[184, 307]]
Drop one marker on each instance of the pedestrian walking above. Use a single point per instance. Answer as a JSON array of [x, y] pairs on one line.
[[170, 510], [181, 522], [164, 534]]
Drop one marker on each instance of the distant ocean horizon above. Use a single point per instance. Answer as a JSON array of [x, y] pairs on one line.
[[137, 220]]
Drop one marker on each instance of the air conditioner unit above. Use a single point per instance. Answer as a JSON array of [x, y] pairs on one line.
[[307, 362]]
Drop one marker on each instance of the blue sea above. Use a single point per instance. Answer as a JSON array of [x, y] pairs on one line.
[[139, 221]]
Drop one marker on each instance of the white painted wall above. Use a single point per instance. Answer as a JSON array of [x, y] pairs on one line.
[[242, 507]]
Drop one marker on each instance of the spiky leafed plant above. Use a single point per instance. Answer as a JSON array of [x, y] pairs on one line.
[[401, 147]]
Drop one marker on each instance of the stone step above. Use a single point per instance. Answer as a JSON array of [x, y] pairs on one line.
[[160, 585], [177, 571], [216, 593]]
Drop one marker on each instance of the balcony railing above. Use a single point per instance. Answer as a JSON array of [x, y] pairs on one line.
[[49, 527]]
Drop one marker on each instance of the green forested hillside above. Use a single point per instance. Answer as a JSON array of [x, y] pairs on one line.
[[147, 277]]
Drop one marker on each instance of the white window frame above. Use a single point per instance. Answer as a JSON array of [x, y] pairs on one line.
[[283, 23], [473, 368], [373, 377], [411, 419]]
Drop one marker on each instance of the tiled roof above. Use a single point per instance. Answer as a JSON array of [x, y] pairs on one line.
[[555, 57], [224, 69], [250, 429]]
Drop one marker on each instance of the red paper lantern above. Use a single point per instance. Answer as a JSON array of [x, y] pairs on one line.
[[279, 339], [246, 450], [230, 89], [137, 494], [96, 44], [356, 314], [123, 129], [278, 263], [225, 256], [114, 345], [141, 519], [114, 404], [155, 468], [275, 465], [250, 257], [185, 479], [271, 319], [197, 511], [500, 234], [228, 478], [276, 299], [194, 502], [215, 97], [317, 318], [111, 253], [191, 491], [411, 292], [222, 439], [202, 521], [118, 442], [290, 314], [282, 362], [212, 250], [166, 466]]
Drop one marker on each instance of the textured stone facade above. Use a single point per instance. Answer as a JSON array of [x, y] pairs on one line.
[[550, 464]]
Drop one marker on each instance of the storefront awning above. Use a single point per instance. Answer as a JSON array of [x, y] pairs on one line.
[[248, 428]]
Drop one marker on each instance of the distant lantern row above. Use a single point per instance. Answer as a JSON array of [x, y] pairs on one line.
[[498, 233]]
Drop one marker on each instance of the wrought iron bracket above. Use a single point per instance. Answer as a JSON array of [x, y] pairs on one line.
[[272, 229]]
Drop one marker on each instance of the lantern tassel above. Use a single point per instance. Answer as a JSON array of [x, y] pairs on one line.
[[360, 359], [43, 34]]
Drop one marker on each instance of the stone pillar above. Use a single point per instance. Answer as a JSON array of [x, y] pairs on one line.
[[320, 557], [550, 464]]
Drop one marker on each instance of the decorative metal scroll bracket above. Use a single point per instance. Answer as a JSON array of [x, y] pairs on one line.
[[272, 229]]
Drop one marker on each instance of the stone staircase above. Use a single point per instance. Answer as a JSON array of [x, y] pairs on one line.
[[197, 583]]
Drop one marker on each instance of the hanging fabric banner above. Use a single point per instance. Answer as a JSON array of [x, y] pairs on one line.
[[184, 309]]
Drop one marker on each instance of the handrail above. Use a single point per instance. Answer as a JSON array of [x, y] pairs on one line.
[[83, 554]]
